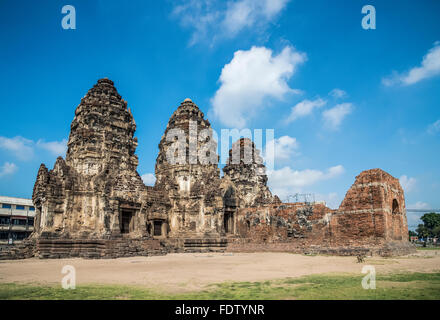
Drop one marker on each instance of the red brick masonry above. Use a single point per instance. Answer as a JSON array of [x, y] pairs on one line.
[[371, 220]]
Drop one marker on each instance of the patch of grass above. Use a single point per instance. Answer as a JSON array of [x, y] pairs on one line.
[[323, 286], [428, 248], [83, 292]]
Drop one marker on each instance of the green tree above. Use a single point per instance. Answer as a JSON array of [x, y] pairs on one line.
[[422, 231], [430, 226], [436, 232], [431, 220]]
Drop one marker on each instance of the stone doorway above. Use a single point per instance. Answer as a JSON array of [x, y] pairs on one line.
[[229, 222], [157, 227], [126, 221]]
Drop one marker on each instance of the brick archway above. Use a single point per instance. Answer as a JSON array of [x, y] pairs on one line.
[[397, 221]]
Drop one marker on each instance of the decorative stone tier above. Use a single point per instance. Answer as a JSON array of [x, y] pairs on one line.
[[205, 245], [98, 248]]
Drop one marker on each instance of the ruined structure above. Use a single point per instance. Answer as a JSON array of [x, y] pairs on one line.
[[94, 203], [247, 175], [370, 220], [192, 186], [96, 193]]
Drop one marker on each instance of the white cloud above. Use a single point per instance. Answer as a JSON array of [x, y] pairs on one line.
[[20, 147], [334, 116], [285, 181], [285, 148], [7, 169], [434, 128], [338, 93], [244, 14], [24, 149], [199, 15], [57, 148], [414, 217], [419, 205], [304, 108], [213, 19], [429, 67], [251, 77], [332, 199], [407, 184], [149, 179]]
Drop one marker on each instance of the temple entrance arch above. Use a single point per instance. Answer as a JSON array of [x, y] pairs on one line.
[[395, 207]]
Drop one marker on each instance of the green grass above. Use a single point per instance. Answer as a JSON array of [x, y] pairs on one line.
[[428, 248], [324, 286]]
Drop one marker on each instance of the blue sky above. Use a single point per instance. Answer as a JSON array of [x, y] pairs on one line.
[[341, 99]]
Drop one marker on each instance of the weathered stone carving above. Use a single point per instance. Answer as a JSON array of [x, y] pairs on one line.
[[248, 174], [96, 192], [192, 184]]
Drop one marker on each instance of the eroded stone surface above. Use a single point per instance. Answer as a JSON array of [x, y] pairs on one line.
[[190, 175], [84, 196], [246, 172]]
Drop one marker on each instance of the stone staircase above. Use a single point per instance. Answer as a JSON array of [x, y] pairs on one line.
[[205, 245]]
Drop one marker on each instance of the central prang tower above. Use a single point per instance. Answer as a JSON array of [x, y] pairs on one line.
[[192, 181]]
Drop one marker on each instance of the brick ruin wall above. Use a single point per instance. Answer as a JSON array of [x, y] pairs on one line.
[[370, 220]]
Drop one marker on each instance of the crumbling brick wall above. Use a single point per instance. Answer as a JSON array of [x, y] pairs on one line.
[[295, 222], [373, 210], [371, 217]]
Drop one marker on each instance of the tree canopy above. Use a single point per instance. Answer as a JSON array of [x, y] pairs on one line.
[[430, 226]]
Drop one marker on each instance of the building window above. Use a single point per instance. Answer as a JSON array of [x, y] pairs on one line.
[[30, 221], [19, 222], [20, 235], [5, 220], [6, 206], [18, 207], [4, 235], [31, 208]]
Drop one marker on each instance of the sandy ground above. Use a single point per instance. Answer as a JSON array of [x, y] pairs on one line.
[[186, 271]]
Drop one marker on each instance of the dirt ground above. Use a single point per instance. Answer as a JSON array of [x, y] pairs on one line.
[[187, 271]]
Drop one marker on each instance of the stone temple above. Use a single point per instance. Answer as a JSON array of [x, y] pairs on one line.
[[94, 204]]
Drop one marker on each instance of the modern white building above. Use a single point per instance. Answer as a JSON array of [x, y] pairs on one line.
[[16, 219]]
